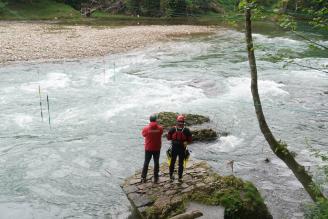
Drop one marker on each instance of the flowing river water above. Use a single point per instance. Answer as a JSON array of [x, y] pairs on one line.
[[98, 107]]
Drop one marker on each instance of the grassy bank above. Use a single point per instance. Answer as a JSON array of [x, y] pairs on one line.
[[50, 10], [37, 10]]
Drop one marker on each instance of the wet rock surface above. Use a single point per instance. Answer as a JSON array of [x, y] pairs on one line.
[[202, 134], [200, 183], [168, 120]]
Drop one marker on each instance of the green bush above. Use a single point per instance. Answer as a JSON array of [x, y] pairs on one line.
[[152, 8], [319, 210], [76, 4], [3, 6], [133, 7]]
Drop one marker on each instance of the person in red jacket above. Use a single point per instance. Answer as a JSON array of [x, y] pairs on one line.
[[180, 137], [153, 142]]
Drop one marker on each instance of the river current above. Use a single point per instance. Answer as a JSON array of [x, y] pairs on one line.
[[73, 167]]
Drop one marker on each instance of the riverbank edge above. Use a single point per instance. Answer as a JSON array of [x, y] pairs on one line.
[[201, 184], [50, 42], [45, 42]]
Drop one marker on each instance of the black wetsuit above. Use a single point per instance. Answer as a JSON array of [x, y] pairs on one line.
[[178, 136]]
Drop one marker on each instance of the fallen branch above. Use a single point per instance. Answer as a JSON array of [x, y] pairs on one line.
[[188, 215]]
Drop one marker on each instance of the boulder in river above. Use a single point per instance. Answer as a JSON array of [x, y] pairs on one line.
[[168, 120], [204, 134]]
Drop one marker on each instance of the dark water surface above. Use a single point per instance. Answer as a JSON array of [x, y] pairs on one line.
[[98, 107]]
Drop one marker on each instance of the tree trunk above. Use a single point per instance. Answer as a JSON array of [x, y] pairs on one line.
[[277, 147]]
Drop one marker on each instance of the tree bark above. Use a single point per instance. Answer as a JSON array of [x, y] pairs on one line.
[[278, 148]]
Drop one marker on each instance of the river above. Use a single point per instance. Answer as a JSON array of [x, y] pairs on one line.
[[73, 167]]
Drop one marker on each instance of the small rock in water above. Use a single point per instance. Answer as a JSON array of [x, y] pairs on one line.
[[267, 160], [325, 92]]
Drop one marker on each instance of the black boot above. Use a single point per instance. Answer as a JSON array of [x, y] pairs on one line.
[[171, 178]]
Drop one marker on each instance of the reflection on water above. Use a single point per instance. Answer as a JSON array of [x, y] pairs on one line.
[[98, 107]]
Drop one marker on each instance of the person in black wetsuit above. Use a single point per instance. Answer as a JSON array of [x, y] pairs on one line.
[[180, 137]]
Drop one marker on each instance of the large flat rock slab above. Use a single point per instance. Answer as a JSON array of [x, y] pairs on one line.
[[200, 184]]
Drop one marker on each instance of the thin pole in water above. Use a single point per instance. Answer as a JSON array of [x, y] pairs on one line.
[[48, 109], [104, 63], [40, 103], [114, 72]]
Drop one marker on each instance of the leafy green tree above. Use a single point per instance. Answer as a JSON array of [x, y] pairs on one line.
[[133, 7], [319, 210], [74, 3], [279, 148], [3, 5], [317, 11], [152, 7], [176, 8]]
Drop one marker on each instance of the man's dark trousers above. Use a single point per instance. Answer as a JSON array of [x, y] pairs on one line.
[[177, 151], [148, 155]]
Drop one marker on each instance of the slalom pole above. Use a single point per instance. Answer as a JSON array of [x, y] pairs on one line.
[[104, 63], [114, 72], [40, 103], [48, 110]]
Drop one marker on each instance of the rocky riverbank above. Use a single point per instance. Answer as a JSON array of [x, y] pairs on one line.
[[26, 41], [200, 184]]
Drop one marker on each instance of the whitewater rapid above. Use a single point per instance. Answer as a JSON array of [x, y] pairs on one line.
[[73, 168]]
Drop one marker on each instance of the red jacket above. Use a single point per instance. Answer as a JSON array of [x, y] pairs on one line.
[[153, 136]]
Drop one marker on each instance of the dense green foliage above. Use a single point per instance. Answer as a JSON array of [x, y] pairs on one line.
[[151, 8], [35, 9], [314, 12], [171, 8], [74, 3], [319, 210], [2, 6]]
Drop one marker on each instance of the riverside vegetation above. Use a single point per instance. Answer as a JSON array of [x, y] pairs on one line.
[[163, 11]]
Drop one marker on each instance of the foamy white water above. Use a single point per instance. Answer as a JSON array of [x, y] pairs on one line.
[[98, 107]]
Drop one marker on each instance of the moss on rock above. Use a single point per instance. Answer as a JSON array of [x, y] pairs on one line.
[[241, 199], [201, 184], [168, 119], [204, 134]]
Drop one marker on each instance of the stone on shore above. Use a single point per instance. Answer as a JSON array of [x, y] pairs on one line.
[[200, 184], [27, 41]]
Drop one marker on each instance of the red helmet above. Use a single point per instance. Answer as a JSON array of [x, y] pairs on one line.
[[180, 118]]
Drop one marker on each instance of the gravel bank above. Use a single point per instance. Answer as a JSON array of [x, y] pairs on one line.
[[38, 41]]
